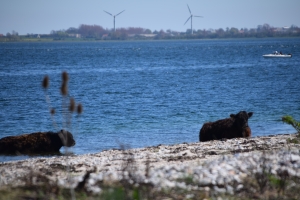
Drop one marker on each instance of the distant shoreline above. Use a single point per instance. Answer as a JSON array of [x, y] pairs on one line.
[[50, 40]]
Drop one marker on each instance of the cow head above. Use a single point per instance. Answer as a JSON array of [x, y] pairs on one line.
[[241, 120], [66, 138]]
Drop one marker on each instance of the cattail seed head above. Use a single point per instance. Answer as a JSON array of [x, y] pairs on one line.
[[72, 105], [52, 111], [79, 108], [65, 77], [64, 88], [45, 82]]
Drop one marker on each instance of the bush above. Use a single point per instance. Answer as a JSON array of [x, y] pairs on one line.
[[290, 120]]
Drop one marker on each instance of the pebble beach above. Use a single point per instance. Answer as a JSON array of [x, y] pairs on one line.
[[221, 166]]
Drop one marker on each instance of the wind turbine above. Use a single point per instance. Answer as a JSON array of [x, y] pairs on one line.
[[191, 17], [114, 18]]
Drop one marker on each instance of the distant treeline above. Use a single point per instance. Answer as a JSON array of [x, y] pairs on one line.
[[96, 32]]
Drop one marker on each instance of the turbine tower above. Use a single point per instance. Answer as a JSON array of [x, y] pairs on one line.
[[114, 18], [191, 17]]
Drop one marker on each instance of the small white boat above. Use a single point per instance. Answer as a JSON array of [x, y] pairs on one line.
[[277, 55]]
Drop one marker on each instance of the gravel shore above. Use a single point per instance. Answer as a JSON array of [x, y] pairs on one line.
[[221, 166]]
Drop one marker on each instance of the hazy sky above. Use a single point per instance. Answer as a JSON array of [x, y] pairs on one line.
[[43, 16]]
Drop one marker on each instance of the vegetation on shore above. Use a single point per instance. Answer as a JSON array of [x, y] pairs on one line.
[[98, 33], [270, 187], [295, 124], [291, 121]]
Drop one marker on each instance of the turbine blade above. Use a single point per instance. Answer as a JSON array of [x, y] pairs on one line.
[[187, 20], [196, 16], [189, 8], [120, 13], [107, 12]]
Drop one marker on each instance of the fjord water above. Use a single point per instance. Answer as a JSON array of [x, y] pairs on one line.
[[145, 93]]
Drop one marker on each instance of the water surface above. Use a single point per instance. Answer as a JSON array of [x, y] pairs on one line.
[[148, 93]]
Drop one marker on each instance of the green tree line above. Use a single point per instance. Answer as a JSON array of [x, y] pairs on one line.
[[96, 32]]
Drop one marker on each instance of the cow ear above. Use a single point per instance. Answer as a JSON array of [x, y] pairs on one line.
[[250, 114], [232, 115]]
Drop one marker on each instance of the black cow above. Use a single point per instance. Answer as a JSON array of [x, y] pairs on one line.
[[36, 143], [234, 127]]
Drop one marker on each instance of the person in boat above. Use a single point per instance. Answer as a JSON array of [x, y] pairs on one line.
[[280, 53]]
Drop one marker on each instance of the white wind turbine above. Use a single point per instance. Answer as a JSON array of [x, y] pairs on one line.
[[191, 17], [114, 18]]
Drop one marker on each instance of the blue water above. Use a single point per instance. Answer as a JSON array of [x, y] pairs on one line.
[[145, 93]]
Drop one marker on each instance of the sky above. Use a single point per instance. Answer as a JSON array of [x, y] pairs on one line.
[[43, 16]]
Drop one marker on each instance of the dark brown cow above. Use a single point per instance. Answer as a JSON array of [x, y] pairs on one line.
[[233, 127], [36, 143]]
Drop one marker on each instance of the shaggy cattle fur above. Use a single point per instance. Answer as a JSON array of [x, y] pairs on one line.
[[234, 127], [36, 143]]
